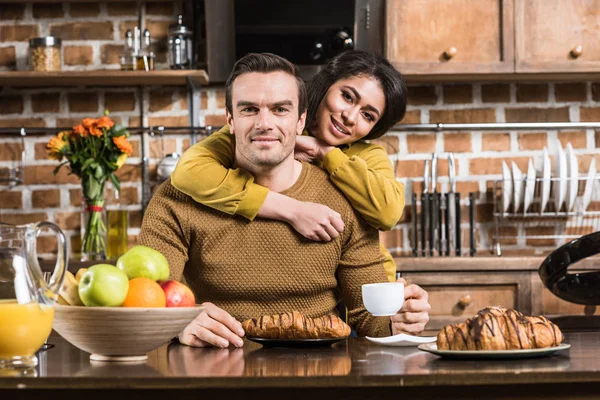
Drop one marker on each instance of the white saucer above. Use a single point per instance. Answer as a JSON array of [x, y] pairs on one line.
[[402, 340]]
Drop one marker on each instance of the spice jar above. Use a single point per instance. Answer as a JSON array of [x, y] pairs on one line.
[[44, 54]]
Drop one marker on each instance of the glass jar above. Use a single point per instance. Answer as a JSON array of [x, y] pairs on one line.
[[44, 54]]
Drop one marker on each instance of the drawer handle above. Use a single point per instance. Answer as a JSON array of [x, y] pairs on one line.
[[450, 52], [465, 300], [577, 51]]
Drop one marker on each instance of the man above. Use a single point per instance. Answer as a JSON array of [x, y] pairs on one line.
[[247, 269]]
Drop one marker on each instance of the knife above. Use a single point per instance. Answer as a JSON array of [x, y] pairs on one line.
[[457, 226], [450, 204], [447, 223], [424, 207], [415, 240], [433, 205], [472, 249]]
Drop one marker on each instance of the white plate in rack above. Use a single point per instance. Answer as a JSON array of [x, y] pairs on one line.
[[529, 186], [546, 176], [507, 187], [573, 174], [589, 185], [560, 184], [518, 187]]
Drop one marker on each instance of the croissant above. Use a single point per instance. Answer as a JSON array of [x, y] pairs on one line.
[[498, 328], [294, 325]]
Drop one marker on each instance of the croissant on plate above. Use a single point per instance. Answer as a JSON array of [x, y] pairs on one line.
[[498, 328], [294, 325]]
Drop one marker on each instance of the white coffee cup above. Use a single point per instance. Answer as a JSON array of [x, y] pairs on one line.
[[383, 299]]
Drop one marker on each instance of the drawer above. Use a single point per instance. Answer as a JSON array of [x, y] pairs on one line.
[[455, 297]]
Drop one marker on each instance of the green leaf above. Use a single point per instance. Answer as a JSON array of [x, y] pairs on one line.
[[115, 181], [99, 172], [87, 163]]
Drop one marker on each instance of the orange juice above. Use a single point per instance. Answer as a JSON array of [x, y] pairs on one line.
[[24, 328]]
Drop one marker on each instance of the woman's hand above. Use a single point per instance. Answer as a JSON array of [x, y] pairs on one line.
[[313, 221], [309, 149], [316, 221]]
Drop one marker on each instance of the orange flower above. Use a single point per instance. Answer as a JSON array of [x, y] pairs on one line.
[[80, 130], [123, 145], [104, 122], [95, 131], [56, 146], [88, 122]]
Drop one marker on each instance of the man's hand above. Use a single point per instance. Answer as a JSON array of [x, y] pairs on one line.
[[414, 313], [316, 221], [309, 149], [213, 327]]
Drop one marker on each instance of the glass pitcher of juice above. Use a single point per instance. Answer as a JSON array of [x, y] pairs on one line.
[[26, 299]]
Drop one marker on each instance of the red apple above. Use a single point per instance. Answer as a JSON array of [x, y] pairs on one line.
[[177, 294]]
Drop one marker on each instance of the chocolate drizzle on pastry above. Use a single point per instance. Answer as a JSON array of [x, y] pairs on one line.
[[294, 325], [498, 328]]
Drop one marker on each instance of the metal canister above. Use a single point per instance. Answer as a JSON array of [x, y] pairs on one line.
[[180, 45]]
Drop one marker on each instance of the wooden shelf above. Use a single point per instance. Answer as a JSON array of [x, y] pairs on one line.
[[495, 78], [102, 78]]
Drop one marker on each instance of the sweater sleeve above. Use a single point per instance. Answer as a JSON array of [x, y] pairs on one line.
[[361, 262], [368, 181], [205, 173], [163, 229]]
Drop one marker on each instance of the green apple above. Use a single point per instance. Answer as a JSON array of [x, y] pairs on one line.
[[142, 261], [103, 285]]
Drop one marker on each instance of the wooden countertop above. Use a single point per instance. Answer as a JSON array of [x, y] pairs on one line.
[[355, 368]]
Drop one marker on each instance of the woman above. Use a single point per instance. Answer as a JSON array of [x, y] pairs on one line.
[[357, 96]]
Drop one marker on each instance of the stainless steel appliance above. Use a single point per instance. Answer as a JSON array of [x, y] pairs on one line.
[[308, 32]]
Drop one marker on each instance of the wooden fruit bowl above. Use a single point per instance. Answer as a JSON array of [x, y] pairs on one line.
[[120, 334]]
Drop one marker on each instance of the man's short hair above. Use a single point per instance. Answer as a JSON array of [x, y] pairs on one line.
[[265, 63]]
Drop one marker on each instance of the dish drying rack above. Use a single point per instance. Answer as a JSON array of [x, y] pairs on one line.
[[550, 216]]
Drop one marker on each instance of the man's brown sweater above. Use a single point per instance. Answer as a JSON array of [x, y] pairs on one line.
[[265, 266]]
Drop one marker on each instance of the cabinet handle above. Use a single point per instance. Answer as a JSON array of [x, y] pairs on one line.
[[465, 300], [577, 51], [450, 52]]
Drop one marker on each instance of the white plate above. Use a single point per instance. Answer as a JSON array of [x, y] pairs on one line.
[[529, 186], [559, 186], [546, 175], [518, 187], [492, 354], [402, 340], [591, 177], [573, 174], [506, 187]]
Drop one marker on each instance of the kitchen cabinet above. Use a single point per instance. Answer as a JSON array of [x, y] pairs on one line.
[[456, 296], [557, 35], [450, 36], [459, 287]]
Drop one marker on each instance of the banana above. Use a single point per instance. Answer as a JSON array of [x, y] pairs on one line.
[[79, 274], [69, 291]]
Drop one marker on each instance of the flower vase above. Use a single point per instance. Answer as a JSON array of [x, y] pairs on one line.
[[93, 229]]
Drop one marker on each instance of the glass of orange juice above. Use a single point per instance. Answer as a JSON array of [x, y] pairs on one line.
[[26, 299]]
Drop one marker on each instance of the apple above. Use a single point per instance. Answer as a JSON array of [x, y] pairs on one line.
[[79, 274], [103, 285], [177, 294], [144, 262]]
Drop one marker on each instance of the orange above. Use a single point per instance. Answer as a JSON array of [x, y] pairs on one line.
[[144, 292]]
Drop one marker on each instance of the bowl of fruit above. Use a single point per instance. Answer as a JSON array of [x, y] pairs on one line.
[[121, 312]]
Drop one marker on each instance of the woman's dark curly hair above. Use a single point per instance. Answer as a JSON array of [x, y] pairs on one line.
[[361, 63]]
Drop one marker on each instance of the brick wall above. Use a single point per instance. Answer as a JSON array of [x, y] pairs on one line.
[[93, 35], [92, 39]]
